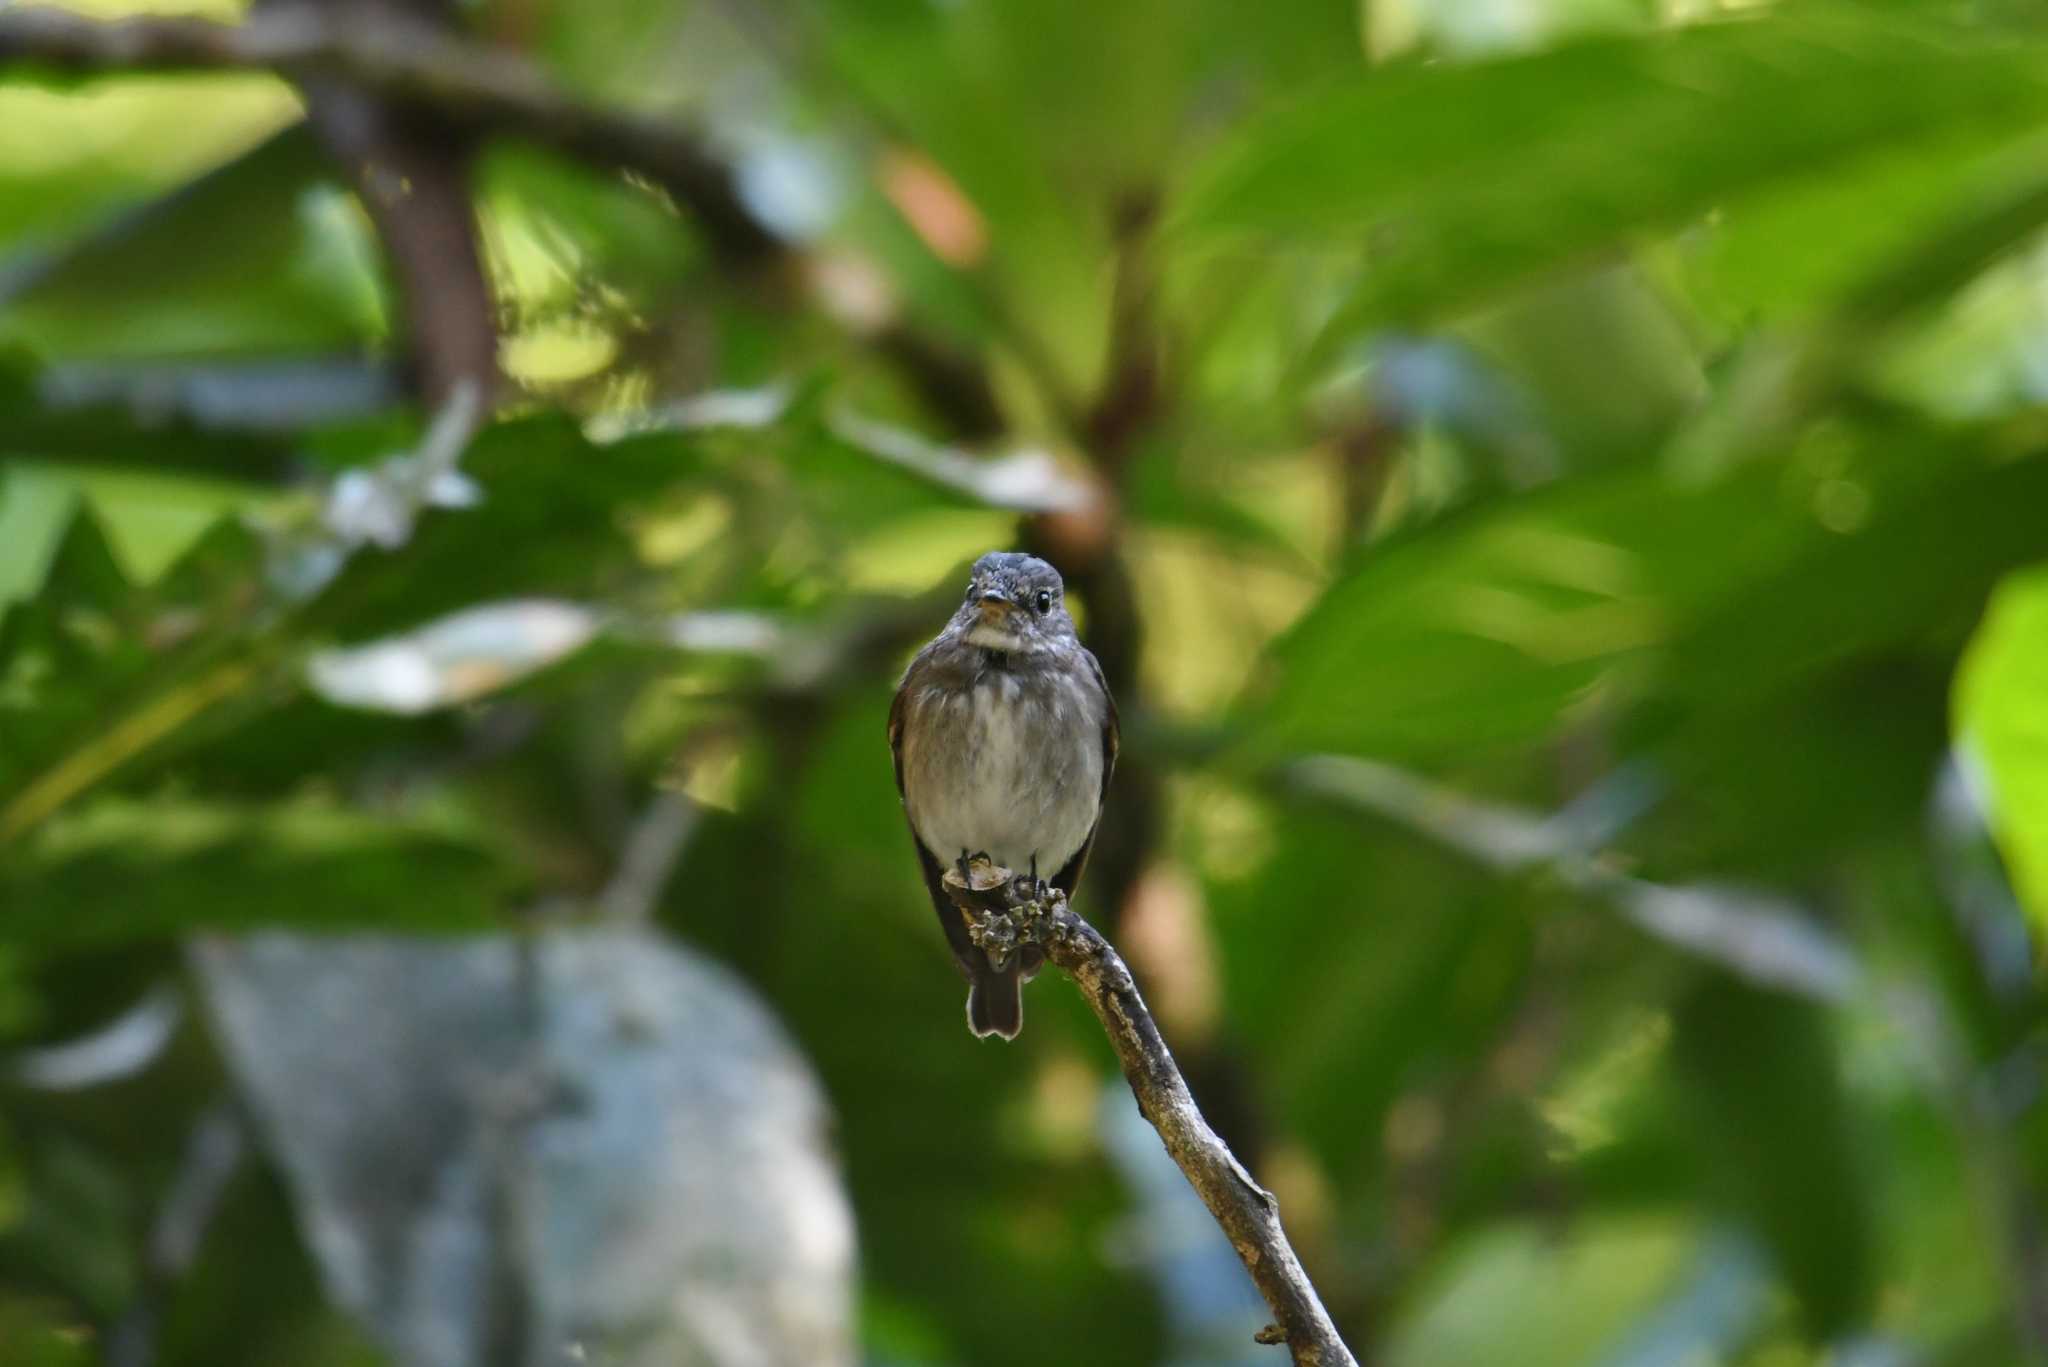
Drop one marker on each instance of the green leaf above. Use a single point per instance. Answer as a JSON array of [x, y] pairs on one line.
[[1052, 120], [557, 228], [1787, 250], [2000, 712], [1768, 1107], [1559, 1297], [34, 424], [552, 519], [35, 508], [1901, 543], [264, 253], [1762, 788], [41, 1333], [1493, 628], [64, 654], [95, 669], [152, 520], [1462, 180], [1323, 987], [70, 155], [118, 870], [1487, 629], [1162, 489]]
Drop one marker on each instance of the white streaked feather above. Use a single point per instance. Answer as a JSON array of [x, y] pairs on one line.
[[989, 636], [1000, 767]]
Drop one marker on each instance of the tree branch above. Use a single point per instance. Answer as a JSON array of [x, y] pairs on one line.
[[465, 86], [653, 848], [415, 64], [1002, 914]]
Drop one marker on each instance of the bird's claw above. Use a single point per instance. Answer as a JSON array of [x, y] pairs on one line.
[[1039, 887]]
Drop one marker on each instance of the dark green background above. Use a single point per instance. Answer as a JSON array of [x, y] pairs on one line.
[[1622, 419]]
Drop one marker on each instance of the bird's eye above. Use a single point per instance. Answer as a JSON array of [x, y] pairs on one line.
[[970, 588], [1044, 602]]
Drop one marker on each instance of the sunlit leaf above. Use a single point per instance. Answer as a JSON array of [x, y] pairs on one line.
[[1495, 627], [1561, 1297], [2001, 721], [1450, 181], [95, 669], [69, 155], [265, 252]]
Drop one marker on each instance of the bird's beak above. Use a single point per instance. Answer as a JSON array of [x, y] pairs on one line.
[[994, 607]]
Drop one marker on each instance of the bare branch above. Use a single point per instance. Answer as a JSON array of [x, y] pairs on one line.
[[1002, 913], [416, 188], [463, 85], [1025, 481], [413, 64], [653, 848], [412, 175]]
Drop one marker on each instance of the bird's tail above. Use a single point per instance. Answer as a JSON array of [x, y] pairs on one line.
[[995, 1003]]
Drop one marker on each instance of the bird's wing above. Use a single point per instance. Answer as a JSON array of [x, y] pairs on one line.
[[896, 741], [1070, 875], [970, 959]]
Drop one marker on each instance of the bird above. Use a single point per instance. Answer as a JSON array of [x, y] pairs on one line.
[[1004, 736]]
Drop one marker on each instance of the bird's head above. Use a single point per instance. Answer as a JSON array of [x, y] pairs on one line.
[[1015, 604]]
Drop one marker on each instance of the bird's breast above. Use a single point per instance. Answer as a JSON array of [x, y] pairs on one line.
[[1010, 764]]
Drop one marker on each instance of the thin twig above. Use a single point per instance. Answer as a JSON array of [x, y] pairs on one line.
[[213, 1155], [1025, 481], [1002, 913], [653, 848]]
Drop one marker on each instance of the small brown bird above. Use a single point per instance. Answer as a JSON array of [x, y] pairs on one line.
[[1005, 737]]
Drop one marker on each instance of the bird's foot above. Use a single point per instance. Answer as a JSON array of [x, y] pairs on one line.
[[1038, 891]]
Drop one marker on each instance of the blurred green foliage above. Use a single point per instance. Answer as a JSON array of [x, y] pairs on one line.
[[1625, 417]]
